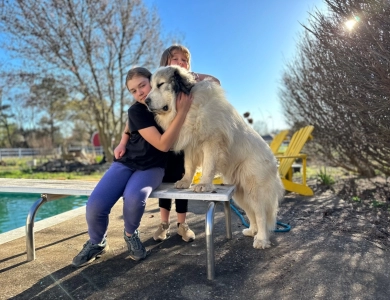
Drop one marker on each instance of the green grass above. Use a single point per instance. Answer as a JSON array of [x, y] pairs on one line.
[[376, 203], [356, 199], [22, 168], [324, 178], [25, 174]]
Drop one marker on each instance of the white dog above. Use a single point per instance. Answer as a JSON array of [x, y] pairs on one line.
[[215, 137]]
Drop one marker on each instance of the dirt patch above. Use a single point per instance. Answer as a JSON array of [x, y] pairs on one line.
[[354, 205], [77, 165]]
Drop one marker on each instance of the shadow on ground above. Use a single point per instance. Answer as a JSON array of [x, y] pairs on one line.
[[327, 254]]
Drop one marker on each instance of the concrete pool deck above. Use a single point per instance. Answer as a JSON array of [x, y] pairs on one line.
[[306, 263]]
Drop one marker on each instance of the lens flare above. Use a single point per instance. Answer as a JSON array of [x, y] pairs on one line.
[[350, 24]]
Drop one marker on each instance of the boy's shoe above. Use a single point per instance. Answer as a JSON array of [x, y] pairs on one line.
[[136, 249], [162, 232], [186, 233], [89, 253]]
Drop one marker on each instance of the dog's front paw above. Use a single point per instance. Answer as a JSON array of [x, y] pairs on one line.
[[261, 244], [182, 184], [203, 187]]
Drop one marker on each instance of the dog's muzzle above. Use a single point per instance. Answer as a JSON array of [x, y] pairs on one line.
[[148, 102]]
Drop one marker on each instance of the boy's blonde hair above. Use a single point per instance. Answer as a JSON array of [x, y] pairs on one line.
[[167, 55]]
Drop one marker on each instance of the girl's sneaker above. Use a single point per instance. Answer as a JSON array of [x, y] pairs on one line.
[[162, 232], [136, 248], [89, 253], [186, 233]]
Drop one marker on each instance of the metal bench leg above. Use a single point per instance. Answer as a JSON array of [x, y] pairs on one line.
[[228, 219], [210, 240]]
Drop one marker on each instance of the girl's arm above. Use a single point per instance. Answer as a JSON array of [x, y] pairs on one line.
[[120, 150], [164, 142]]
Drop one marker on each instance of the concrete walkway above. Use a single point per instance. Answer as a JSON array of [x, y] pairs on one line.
[[309, 262]]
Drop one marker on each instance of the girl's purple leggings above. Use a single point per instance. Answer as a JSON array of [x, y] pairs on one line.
[[135, 186]]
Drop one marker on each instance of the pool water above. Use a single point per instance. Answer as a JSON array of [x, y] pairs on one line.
[[14, 208]]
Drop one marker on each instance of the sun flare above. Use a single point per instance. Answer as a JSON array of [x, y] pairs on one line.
[[350, 24]]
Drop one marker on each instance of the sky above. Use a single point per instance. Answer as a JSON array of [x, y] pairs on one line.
[[245, 44]]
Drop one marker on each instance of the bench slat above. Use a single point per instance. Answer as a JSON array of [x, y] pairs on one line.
[[84, 188]]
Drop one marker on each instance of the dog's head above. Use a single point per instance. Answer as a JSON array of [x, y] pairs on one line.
[[167, 83]]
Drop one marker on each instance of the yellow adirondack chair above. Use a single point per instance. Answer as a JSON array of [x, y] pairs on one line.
[[287, 159], [274, 145], [217, 179], [278, 140]]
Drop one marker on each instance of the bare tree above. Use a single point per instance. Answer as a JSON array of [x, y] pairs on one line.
[[340, 83], [52, 99], [5, 119], [88, 45]]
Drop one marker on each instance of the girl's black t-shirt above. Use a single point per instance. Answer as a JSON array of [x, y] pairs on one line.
[[141, 155]]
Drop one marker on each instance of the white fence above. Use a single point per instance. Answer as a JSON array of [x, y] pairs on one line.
[[33, 152]]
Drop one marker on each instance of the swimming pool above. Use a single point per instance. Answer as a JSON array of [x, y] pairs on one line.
[[14, 208]]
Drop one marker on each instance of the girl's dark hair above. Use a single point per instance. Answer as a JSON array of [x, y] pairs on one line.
[[138, 71]]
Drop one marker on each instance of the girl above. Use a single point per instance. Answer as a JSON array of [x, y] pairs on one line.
[[174, 55], [134, 175]]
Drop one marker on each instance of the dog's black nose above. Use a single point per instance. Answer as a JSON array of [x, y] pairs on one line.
[[147, 101]]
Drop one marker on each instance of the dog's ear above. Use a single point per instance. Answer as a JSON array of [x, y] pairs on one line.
[[182, 81]]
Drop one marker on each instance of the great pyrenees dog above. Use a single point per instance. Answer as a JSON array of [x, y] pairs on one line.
[[215, 137]]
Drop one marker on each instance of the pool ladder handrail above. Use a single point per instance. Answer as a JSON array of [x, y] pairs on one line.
[[30, 241]]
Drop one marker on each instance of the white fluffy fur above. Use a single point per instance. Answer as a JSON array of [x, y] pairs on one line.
[[215, 137]]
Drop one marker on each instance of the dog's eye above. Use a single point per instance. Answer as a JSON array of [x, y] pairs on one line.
[[165, 108], [160, 84]]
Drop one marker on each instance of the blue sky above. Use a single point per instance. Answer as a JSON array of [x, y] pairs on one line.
[[245, 44]]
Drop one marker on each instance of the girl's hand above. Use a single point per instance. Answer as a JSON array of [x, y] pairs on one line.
[[183, 103], [199, 77], [119, 151]]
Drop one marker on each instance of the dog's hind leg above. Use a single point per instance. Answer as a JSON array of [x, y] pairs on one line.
[[239, 197], [252, 230], [266, 216], [261, 240]]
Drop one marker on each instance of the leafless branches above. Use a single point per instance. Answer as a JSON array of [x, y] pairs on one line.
[[88, 45], [340, 83]]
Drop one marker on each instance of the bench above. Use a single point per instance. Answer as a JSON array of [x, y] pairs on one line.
[[51, 190]]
